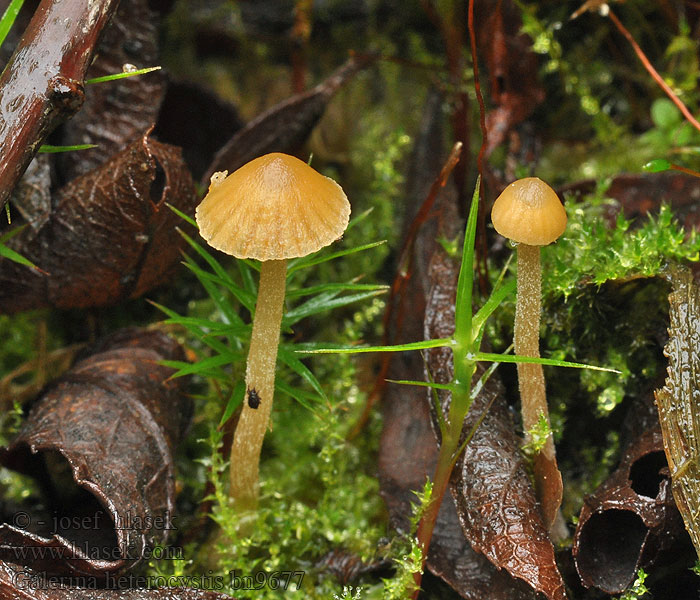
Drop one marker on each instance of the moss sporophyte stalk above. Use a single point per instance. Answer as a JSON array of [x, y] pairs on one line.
[[274, 208], [464, 387]]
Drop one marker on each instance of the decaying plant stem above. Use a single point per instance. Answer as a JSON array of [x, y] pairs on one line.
[[42, 85]]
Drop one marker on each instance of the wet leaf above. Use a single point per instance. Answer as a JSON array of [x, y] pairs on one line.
[[677, 401], [630, 521], [109, 236], [21, 583], [116, 112], [285, 126], [99, 442]]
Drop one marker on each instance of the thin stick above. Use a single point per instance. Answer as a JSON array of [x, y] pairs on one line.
[[653, 72]]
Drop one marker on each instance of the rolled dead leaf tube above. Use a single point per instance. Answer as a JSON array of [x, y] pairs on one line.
[[529, 213], [273, 208]]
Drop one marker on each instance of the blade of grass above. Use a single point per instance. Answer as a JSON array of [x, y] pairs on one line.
[[288, 357], [236, 399], [514, 358], [122, 75], [465, 282], [425, 344], [326, 257], [428, 384], [8, 18], [327, 287], [315, 306], [499, 294], [50, 149]]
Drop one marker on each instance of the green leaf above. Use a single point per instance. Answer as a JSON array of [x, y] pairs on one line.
[[122, 75], [235, 400], [425, 344], [657, 165], [311, 261], [288, 357], [209, 340], [8, 18], [322, 303], [515, 358], [182, 215], [11, 254], [465, 282], [306, 399], [49, 149], [438, 386], [499, 294], [200, 367], [333, 287]]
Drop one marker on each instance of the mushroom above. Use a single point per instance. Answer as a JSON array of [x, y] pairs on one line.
[[529, 213], [273, 208]]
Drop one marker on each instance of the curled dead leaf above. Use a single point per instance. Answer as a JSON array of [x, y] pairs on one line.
[[99, 442]]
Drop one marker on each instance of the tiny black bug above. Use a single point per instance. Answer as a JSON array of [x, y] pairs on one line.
[[253, 398]]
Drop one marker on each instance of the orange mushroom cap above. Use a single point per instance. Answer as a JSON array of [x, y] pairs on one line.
[[529, 212], [272, 208]]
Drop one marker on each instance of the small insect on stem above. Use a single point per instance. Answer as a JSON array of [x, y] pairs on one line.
[[253, 398]]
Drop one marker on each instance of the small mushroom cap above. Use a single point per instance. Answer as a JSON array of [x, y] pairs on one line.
[[274, 207], [529, 212]]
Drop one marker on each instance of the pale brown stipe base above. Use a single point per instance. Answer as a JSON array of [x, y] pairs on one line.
[[260, 375], [533, 395]]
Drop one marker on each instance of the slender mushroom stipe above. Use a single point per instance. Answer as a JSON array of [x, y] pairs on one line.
[[529, 212]]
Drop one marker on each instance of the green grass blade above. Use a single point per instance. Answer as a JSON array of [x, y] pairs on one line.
[[211, 284], [306, 399], [359, 218], [237, 396], [210, 280], [499, 294], [122, 75], [465, 282], [317, 260], [438, 386], [215, 344], [198, 368], [208, 327], [511, 358], [334, 287], [8, 18], [14, 256], [322, 304], [50, 149], [287, 356], [424, 345], [182, 215]]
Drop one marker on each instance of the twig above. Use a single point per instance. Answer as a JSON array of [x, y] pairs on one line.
[[42, 84], [653, 72]]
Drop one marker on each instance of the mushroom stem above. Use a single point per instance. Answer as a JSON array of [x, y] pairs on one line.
[[260, 376], [533, 395]]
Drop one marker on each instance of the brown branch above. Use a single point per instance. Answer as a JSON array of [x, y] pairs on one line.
[[653, 72], [42, 84]]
